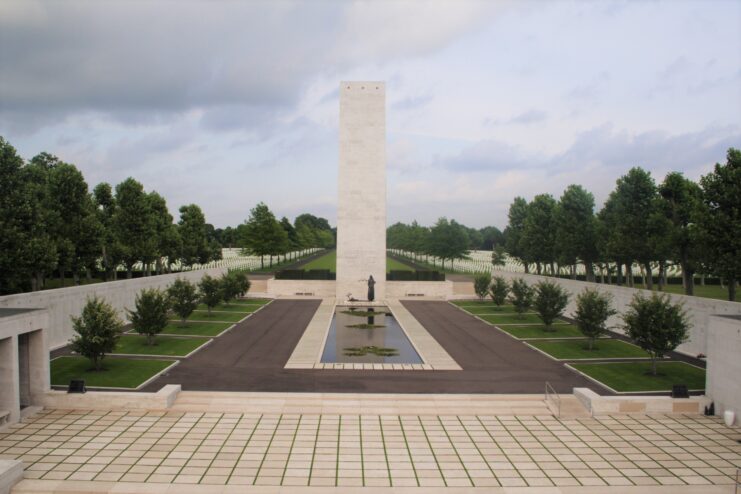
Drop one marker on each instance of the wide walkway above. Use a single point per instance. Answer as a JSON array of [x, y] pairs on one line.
[[252, 356], [145, 452]]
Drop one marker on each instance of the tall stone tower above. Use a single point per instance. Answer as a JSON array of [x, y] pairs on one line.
[[361, 208]]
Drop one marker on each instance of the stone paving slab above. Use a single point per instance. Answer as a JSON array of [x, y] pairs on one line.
[[287, 450]]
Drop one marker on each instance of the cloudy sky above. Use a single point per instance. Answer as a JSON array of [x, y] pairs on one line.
[[229, 103]]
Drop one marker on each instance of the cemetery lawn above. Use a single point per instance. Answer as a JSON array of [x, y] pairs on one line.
[[329, 261], [196, 328], [163, 345], [203, 315], [467, 304], [537, 331], [578, 349], [498, 319], [394, 265], [251, 301], [635, 376], [117, 373]]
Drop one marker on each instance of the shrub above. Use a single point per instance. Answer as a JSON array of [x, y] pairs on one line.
[[656, 325], [183, 298], [98, 329], [592, 310], [550, 301], [521, 296], [150, 316], [499, 290], [210, 291], [233, 284], [481, 283]]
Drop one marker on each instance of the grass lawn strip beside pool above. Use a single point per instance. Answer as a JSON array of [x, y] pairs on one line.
[[478, 303], [632, 377], [577, 349], [493, 310], [119, 372], [204, 315], [196, 328], [252, 301], [164, 346], [536, 331]]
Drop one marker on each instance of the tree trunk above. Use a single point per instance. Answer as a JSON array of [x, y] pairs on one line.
[[653, 365], [619, 273], [662, 272], [573, 271], [702, 279], [732, 289], [688, 280], [591, 342], [589, 268], [648, 278], [537, 267], [76, 278], [527, 267], [262, 262]]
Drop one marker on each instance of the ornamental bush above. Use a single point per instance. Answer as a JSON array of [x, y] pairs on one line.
[[183, 298], [593, 308], [656, 325], [150, 316], [98, 329], [521, 296], [210, 291], [550, 302], [481, 283], [499, 290]]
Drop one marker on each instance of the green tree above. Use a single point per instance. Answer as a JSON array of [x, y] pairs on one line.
[[481, 284], [550, 301], [575, 235], [521, 295], [243, 282], [498, 256], [291, 235], [184, 298], [42, 246], [231, 286], [499, 290], [192, 229], [105, 204], [538, 236], [656, 325], [98, 329], [681, 199], [448, 241], [167, 241], [150, 315], [513, 234], [593, 308], [719, 221], [263, 234], [210, 291], [133, 223]]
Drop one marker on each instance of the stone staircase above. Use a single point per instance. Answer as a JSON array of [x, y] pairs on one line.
[[373, 404]]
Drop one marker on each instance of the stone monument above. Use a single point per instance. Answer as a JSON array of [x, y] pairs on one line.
[[361, 205]]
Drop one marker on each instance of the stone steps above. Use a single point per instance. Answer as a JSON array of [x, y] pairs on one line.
[[371, 404]]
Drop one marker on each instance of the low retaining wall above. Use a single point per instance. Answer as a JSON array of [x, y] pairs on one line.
[[62, 303], [611, 405], [104, 400], [419, 289], [301, 288], [698, 309]]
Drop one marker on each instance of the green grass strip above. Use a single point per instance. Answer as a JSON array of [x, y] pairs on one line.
[[362, 459], [246, 443], [477, 450], [432, 450], [163, 345], [203, 315], [635, 376], [267, 450], [313, 452], [457, 454], [578, 349], [290, 449], [385, 452], [498, 319], [196, 328], [337, 457], [406, 443], [233, 307], [117, 373], [537, 331]]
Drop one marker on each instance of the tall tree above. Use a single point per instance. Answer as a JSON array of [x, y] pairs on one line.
[[538, 236], [133, 222], [680, 200], [576, 229], [514, 231], [168, 243], [448, 240], [719, 222], [292, 242], [105, 203], [263, 235], [192, 229]]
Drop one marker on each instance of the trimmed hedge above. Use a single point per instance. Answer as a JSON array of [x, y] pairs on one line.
[[418, 275], [305, 274]]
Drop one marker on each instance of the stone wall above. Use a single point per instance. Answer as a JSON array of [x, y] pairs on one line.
[[62, 303], [699, 309], [723, 384]]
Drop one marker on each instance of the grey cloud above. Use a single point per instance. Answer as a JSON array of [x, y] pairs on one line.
[[526, 118], [412, 103]]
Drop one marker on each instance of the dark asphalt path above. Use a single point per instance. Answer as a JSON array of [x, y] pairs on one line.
[[251, 358]]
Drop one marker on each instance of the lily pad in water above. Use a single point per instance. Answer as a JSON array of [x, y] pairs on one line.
[[375, 350]]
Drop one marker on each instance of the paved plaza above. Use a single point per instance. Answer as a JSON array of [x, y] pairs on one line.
[[272, 449]]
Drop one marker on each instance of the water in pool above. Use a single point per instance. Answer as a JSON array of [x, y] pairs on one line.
[[367, 335]]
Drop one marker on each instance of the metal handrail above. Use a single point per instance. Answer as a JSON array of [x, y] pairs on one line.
[[551, 393]]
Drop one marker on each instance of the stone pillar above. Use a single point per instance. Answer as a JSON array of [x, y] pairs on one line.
[[9, 391], [361, 207]]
